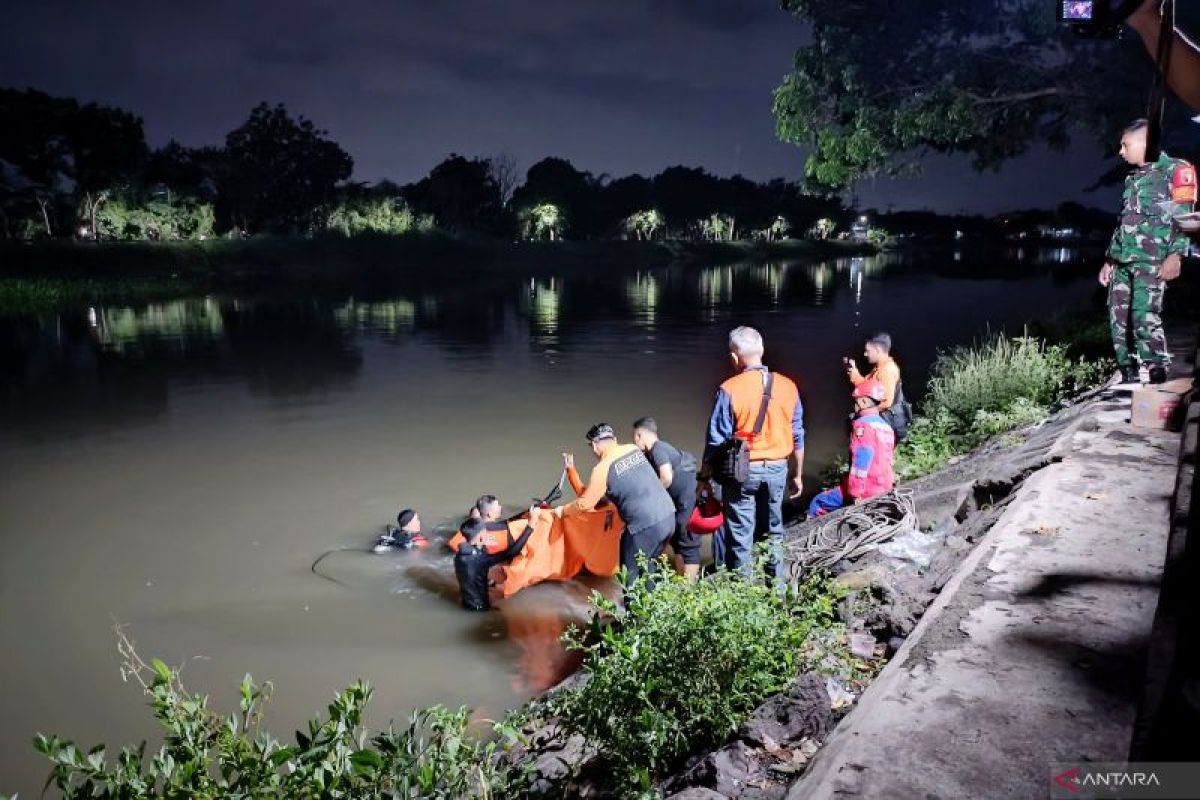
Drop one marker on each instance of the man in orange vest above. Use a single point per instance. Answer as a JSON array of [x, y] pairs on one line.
[[623, 476], [737, 409]]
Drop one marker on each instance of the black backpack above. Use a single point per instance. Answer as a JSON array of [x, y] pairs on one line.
[[899, 415], [731, 459]]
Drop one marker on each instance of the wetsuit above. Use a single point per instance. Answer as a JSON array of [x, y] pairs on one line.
[[683, 494], [471, 565], [626, 478]]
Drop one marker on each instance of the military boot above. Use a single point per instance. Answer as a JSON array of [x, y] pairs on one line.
[[1158, 374], [1130, 375]]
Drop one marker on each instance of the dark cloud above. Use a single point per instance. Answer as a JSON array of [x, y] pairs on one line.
[[617, 88]]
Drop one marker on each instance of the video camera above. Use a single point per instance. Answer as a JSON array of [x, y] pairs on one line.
[[1098, 19]]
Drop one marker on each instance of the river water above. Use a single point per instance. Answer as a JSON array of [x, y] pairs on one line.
[[177, 467]]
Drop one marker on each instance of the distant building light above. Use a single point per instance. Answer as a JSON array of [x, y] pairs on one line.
[[863, 219], [83, 230]]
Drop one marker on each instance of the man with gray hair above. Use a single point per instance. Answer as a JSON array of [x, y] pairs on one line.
[[763, 410]]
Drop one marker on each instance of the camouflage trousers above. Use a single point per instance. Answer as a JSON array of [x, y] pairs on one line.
[[1135, 299]]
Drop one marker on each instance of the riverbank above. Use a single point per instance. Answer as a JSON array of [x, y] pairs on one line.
[[326, 259], [1011, 615], [1019, 617], [49, 275]]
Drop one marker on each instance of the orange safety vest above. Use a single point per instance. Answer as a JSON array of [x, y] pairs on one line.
[[494, 539], [745, 392]]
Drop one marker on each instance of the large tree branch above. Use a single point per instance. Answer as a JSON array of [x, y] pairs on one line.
[[1019, 97]]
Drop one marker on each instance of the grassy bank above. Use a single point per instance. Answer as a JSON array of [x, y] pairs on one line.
[[981, 391]]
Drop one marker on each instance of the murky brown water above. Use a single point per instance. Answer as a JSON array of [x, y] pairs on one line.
[[177, 467]]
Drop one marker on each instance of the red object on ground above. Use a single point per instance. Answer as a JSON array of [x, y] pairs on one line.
[[708, 515]]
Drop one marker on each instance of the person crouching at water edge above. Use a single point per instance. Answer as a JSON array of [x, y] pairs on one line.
[[872, 450], [404, 535], [473, 559], [625, 477], [677, 472]]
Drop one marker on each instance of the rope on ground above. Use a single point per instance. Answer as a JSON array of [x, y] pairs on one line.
[[855, 532]]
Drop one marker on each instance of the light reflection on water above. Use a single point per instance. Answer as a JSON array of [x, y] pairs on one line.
[[179, 465]]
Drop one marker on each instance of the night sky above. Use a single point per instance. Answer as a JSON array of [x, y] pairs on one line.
[[615, 87]]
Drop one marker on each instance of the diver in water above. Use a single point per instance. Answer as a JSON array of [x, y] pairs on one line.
[[473, 560], [404, 535], [496, 536]]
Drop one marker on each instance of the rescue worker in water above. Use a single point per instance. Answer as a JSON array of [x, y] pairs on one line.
[[496, 535], [473, 559], [625, 477]]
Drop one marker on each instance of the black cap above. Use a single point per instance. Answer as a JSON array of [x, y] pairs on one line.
[[601, 430], [405, 517]]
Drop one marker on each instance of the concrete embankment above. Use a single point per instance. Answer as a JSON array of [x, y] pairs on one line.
[[1033, 653], [1019, 617]]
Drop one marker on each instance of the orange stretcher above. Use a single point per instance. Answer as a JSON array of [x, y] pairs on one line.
[[560, 549]]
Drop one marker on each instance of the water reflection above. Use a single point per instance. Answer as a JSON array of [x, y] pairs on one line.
[[390, 318], [642, 295], [540, 304], [181, 321], [716, 289], [117, 362]]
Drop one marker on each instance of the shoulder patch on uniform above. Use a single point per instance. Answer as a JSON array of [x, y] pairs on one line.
[[860, 431], [1183, 183]]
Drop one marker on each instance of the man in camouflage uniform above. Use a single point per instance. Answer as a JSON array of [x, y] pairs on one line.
[[1144, 254]]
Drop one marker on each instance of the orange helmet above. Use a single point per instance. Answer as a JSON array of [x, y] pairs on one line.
[[872, 389]]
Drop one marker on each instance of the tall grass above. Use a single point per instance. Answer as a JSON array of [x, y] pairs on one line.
[[980, 391], [992, 376]]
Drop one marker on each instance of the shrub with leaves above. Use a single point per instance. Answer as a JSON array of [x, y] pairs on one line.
[[976, 393], [207, 756], [680, 667]]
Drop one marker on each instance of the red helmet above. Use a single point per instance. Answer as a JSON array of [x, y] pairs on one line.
[[872, 389], [707, 517]]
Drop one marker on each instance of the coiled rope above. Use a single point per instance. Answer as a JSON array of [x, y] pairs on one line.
[[855, 532]]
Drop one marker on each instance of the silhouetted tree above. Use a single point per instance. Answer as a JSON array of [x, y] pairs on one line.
[[503, 169], [51, 143], [685, 195], [193, 172], [280, 173], [574, 193], [461, 194]]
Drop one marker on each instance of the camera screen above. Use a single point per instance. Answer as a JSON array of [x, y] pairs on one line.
[[1079, 10]]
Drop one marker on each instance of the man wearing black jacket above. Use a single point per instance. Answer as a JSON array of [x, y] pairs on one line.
[[472, 561]]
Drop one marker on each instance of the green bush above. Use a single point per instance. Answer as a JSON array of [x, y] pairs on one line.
[[993, 375], [380, 215], [132, 218], [207, 756], [976, 393], [682, 666]]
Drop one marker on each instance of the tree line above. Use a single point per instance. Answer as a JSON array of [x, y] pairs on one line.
[[75, 170]]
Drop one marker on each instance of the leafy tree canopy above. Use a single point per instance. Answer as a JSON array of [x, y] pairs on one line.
[[881, 83], [279, 170]]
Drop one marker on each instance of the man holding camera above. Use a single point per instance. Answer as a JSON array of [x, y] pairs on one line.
[[1145, 253]]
